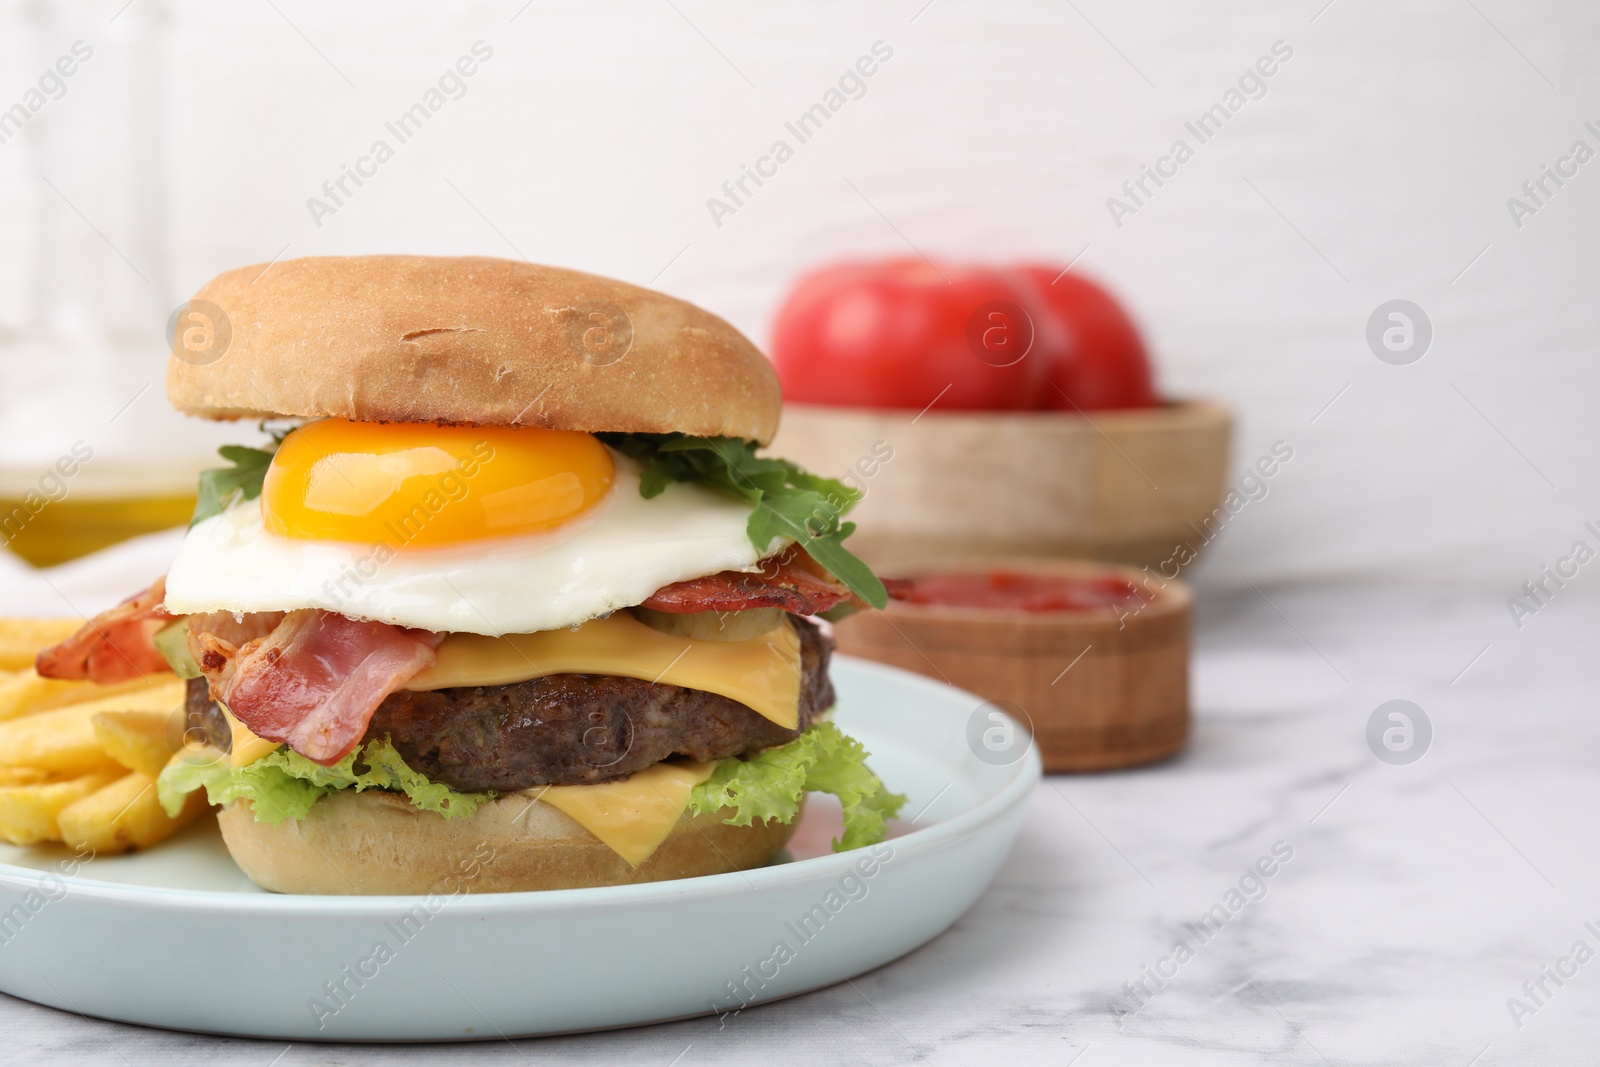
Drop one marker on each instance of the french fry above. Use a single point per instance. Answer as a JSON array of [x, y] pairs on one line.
[[21, 639], [78, 760], [67, 749], [22, 776], [24, 692], [139, 740], [29, 813], [124, 815], [63, 741]]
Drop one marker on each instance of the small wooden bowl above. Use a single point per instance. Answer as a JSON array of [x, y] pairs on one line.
[[1128, 486], [1100, 689]]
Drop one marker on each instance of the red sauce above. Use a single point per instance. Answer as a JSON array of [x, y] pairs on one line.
[[1008, 591]]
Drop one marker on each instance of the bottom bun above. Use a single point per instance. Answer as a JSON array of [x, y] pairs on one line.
[[377, 843]]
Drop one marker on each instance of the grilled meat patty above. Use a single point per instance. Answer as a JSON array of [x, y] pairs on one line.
[[203, 721], [576, 729]]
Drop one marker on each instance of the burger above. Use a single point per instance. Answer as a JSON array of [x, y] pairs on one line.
[[510, 601]]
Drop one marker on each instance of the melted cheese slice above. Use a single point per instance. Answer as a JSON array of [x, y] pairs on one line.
[[635, 815], [762, 673], [246, 747]]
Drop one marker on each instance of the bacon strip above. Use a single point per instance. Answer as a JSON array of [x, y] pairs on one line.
[[116, 645], [314, 681], [235, 630], [791, 580]]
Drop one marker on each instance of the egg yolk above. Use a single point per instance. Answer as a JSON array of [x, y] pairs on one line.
[[420, 484]]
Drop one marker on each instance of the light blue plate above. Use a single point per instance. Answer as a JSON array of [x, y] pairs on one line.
[[177, 937]]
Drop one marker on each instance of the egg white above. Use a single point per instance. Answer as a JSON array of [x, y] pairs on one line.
[[615, 556]]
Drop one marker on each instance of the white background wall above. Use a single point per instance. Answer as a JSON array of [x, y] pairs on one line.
[[1377, 166]]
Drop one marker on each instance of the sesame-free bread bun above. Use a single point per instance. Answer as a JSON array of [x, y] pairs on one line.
[[378, 843], [468, 340]]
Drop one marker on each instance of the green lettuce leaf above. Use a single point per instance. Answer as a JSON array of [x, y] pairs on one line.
[[789, 502], [821, 760], [284, 785], [203, 768]]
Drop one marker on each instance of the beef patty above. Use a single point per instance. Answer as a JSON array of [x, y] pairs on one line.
[[576, 729]]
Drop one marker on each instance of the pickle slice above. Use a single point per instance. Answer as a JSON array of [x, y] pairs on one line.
[[172, 641], [713, 625]]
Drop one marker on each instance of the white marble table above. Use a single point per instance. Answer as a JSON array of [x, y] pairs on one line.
[[1417, 900]]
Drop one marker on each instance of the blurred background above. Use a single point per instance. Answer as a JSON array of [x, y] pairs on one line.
[[1378, 162]]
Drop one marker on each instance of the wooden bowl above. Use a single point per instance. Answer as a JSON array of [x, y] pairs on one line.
[[1128, 486], [1101, 689]]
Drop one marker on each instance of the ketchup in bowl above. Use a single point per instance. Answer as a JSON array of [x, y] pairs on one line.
[[1011, 591]]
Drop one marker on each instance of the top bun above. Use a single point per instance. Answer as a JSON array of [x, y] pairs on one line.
[[465, 340]]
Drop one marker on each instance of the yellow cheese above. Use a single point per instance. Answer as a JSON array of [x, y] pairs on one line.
[[635, 815], [763, 673], [247, 747]]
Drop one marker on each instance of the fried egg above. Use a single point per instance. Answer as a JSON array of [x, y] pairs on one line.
[[455, 529]]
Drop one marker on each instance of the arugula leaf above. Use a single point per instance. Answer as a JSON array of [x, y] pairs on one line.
[[789, 502], [221, 487]]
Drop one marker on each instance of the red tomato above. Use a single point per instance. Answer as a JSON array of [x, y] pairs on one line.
[[900, 333], [1104, 364]]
